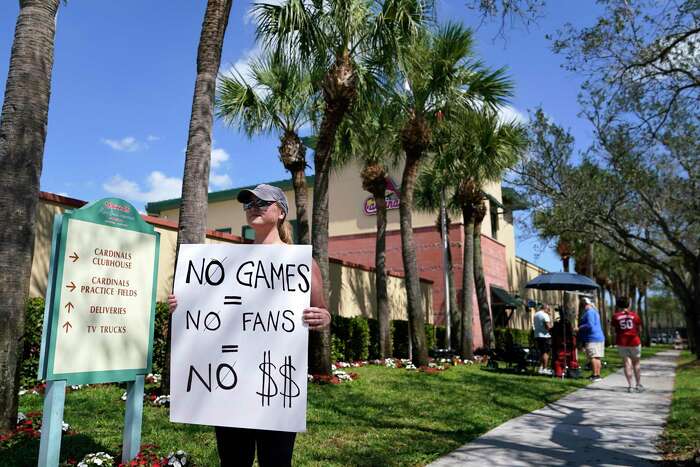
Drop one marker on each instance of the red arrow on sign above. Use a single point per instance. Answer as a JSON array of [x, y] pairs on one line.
[[69, 306], [67, 325], [74, 256], [71, 286]]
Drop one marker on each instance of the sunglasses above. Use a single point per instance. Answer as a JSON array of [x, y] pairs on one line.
[[257, 203]]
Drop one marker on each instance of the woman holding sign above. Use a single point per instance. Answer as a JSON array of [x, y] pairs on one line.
[[266, 211]]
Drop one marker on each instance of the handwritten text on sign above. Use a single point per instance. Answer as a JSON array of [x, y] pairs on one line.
[[239, 348]]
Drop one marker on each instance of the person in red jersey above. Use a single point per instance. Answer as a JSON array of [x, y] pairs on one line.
[[628, 327]]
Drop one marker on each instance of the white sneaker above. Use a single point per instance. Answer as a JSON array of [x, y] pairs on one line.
[[639, 388], [548, 372], [540, 371]]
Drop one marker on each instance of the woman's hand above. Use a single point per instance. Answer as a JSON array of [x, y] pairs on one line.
[[172, 303], [316, 318]]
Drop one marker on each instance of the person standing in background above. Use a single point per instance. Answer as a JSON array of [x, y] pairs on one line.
[[628, 327], [542, 324], [590, 333]]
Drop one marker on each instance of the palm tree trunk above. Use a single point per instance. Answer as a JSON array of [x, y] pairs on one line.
[[466, 337], [301, 197], [480, 281], [23, 125], [339, 92], [195, 182], [410, 263], [385, 344], [293, 157], [452, 297], [456, 319]]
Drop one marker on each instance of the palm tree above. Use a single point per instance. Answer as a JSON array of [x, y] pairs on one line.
[[436, 73], [195, 182], [366, 136], [279, 98], [335, 39], [429, 187], [493, 147], [23, 123]]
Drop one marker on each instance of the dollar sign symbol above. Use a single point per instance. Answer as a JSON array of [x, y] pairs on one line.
[[267, 382], [290, 386]]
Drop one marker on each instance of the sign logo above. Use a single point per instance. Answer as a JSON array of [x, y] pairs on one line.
[[392, 199]]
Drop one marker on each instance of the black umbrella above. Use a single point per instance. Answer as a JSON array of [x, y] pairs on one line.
[[562, 281]]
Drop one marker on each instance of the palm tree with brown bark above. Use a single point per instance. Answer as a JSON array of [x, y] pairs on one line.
[[335, 39], [23, 125], [278, 96], [192, 222], [437, 73], [368, 137]]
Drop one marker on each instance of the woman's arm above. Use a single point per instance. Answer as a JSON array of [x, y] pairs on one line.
[[316, 316]]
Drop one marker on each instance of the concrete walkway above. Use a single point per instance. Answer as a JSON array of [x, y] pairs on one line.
[[600, 425]]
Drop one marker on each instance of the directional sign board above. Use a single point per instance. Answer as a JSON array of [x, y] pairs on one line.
[[98, 323], [239, 346]]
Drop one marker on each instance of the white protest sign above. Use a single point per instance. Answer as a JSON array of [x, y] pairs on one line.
[[239, 345]]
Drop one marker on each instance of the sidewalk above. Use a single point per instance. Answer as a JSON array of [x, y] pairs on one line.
[[599, 425]]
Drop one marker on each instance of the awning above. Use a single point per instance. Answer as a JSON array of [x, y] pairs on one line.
[[494, 200], [503, 298]]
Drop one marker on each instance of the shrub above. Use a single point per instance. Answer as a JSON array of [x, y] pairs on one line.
[[31, 342], [400, 338], [507, 337], [358, 345], [160, 337], [351, 338], [373, 339]]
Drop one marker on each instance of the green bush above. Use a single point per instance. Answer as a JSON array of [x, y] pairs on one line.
[[353, 338], [507, 337], [400, 338], [358, 346], [160, 337], [373, 339], [337, 348], [430, 337], [31, 342], [440, 337]]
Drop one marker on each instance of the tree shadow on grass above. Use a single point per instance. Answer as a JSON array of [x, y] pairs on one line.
[[26, 453]]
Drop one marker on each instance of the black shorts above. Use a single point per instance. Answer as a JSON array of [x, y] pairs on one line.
[[544, 344]]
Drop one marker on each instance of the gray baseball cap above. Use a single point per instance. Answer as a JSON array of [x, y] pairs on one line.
[[266, 193]]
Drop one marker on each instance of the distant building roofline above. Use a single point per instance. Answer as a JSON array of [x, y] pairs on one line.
[[156, 207]]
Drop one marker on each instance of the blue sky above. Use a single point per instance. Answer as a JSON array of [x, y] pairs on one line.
[[124, 75]]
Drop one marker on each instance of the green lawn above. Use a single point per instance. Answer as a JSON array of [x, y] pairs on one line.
[[681, 438], [386, 417]]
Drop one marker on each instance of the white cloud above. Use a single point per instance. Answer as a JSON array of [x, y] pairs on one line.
[[241, 67], [159, 187], [152, 138], [126, 144], [219, 181], [218, 156], [509, 113]]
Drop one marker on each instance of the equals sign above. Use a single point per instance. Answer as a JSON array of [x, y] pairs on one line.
[[232, 300], [229, 348]]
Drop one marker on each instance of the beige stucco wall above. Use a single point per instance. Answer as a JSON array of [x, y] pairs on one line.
[[352, 289], [353, 293]]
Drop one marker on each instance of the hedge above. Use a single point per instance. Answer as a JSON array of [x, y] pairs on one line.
[[506, 337], [352, 339]]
